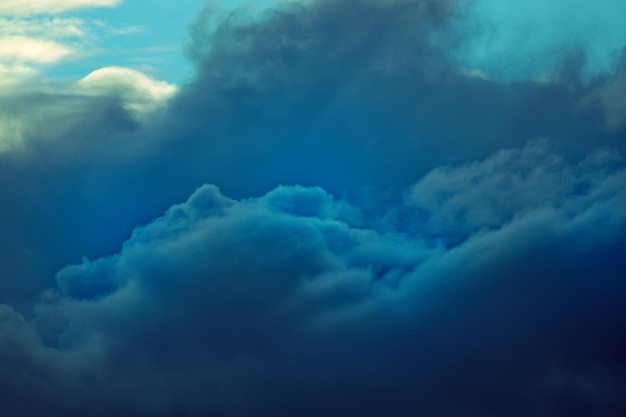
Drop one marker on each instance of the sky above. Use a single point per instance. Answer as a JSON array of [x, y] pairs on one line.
[[312, 207]]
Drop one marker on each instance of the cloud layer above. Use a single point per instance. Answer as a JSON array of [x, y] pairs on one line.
[[381, 231], [270, 306]]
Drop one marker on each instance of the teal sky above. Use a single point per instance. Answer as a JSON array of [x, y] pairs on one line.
[[145, 35], [514, 40], [527, 38], [159, 31]]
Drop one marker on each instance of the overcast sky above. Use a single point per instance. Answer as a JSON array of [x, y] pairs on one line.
[[312, 207]]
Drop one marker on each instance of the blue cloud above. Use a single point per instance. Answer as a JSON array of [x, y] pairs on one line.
[[463, 200], [395, 240], [226, 294]]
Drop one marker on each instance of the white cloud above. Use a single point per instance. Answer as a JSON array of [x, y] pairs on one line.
[[29, 44], [126, 30], [141, 93], [49, 28], [26, 7], [26, 49]]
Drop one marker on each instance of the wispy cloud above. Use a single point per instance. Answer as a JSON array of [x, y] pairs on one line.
[[611, 98], [29, 7], [48, 27], [31, 50], [29, 45]]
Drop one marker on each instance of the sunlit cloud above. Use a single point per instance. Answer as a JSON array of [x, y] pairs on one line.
[[25, 42], [30, 45], [140, 92], [25, 49], [27, 7], [51, 28]]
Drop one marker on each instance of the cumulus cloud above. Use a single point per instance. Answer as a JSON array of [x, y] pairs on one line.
[[131, 94], [360, 114], [344, 108], [380, 115], [424, 255], [217, 295], [140, 93], [460, 201]]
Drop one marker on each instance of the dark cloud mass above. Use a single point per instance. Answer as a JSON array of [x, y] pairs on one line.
[[388, 233]]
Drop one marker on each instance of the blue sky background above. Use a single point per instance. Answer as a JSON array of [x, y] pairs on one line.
[[158, 32]]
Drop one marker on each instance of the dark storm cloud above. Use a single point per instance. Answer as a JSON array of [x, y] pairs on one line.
[[261, 307], [425, 256], [343, 95], [279, 98], [463, 200], [44, 179], [380, 100], [610, 98]]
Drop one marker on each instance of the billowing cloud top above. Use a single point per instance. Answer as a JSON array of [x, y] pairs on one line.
[[140, 93], [336, 215]]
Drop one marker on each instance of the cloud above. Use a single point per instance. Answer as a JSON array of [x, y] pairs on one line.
[[46, 138], [259, 306], [30, 45], [349, 110], [134, 95], [610, 99], [395, 241], [23, 49], [460, 201], [140, 93], [531, 39], [380, 111], [52, 28], [28, 7], [15, 74], [27, 45], [359, 114]]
